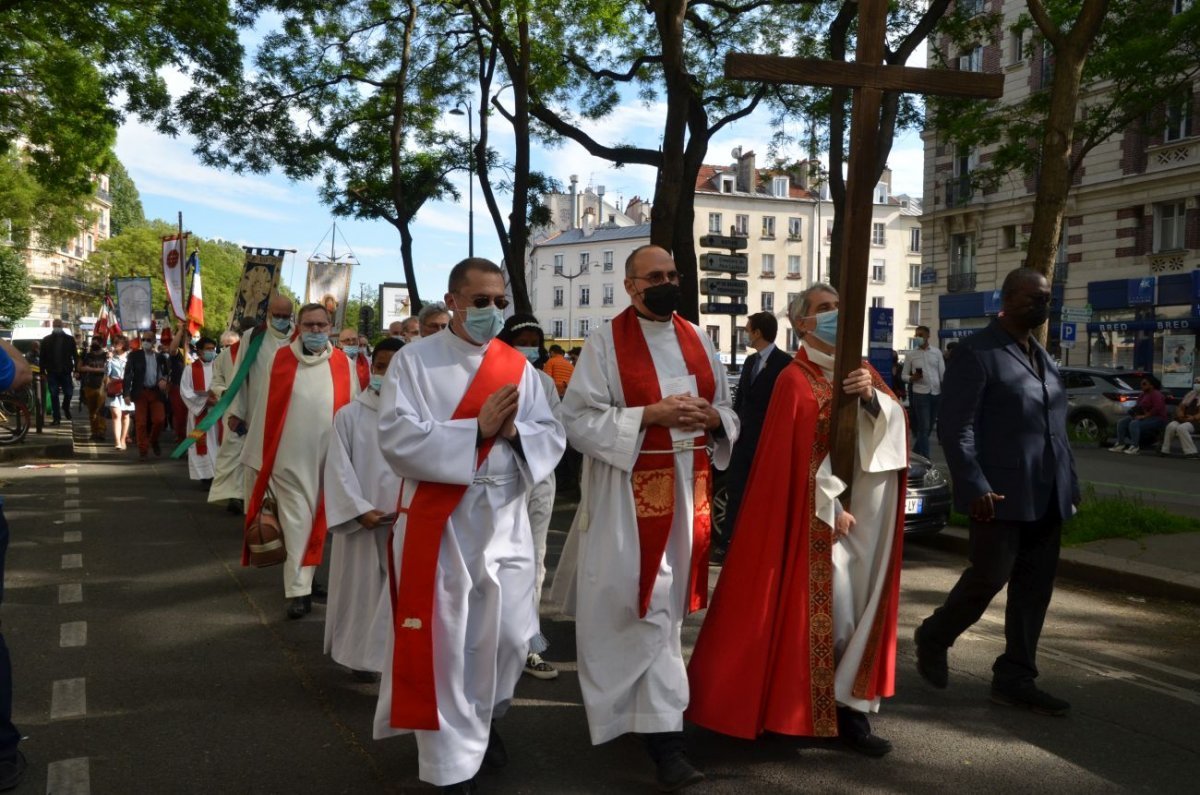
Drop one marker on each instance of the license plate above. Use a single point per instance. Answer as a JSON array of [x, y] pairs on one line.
[[913, 504]]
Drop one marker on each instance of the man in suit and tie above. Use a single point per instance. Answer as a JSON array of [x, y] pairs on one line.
[[755, 385], [147, 375], [1003, 427]]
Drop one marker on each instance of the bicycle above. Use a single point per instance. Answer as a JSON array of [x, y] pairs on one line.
[[15, 417]]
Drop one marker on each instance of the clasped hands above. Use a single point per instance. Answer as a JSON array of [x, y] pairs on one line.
[[498, 415], [686, 412]]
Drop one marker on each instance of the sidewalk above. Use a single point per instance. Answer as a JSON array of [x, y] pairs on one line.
[[52, 442]]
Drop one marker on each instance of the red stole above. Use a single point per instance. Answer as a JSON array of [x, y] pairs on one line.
[[653, 480], [198, 385], [414, 697], [279, 398], [363, 367]]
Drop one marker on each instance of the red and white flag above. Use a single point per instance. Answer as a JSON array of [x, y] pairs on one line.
[[107, 325], [174, 248], [195, 309]]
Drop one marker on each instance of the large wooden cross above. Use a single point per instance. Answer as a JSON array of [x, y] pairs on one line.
[[869, 78]]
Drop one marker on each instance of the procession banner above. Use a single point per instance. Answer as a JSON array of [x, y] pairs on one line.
[[329, 284], [135, 305], [393, 303], [1179, 355], [260, 278], [174, 251]]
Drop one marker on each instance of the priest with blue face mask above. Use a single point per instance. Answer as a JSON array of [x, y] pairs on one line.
[[800, 638], [464, 422]]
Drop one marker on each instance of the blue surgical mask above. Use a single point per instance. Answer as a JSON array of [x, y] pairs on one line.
[[208, 356], [315, 341], [350, 350], [376, 382], [281, 324], [483, 324], [826, 329], [530, 353]]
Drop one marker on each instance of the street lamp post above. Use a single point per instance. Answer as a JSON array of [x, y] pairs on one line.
[[570, 289], [457, 111]]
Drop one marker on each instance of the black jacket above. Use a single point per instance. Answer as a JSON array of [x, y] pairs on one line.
[[135, 373], [59, 354], [751, 404]]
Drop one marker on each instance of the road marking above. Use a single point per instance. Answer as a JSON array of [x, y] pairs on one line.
[[70, 503], [72, 491], [73, 516], [72, 634], [72, 481], [73, 560], [70, 592], [72, 470], [68, 699], [68, 777], [72, 536]]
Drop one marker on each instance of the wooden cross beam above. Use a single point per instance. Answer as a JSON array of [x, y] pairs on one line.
[[869, 77]]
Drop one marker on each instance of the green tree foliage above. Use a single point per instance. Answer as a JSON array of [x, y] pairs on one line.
[[350, 93], [138, 251], [127, 209], [1106, 66], [34, 209], [15, 297]]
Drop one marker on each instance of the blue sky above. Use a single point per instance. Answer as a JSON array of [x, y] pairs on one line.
[[271, 211]]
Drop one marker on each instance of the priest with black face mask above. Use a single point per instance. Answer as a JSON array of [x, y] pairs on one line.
[[646, 404]]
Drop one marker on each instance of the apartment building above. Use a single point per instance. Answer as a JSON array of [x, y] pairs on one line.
[[786, 224], [1130, 247]]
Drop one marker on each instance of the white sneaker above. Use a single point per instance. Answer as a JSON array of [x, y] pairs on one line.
[[536, 667], [1132, 450], [1116, 448]]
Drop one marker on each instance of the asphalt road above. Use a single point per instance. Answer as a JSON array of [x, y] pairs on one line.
[[172, 670]]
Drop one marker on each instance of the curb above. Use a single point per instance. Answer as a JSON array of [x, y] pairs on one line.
[[1100, 571], [51, 443]]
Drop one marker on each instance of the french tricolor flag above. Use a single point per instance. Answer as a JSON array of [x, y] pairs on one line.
[[195, 308]]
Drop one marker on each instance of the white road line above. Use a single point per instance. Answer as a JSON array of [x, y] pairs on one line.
[[72, 536], [70, 503], [72, 470], [72, 481], [73, 560], [73, 516], [72, 491], [68, 777], [72, 634], [70, 592], [68, 699]]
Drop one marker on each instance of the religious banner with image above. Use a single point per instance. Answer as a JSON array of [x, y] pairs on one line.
[[174, 256], [260, 279], [1179, 356], [135, 303], [329, 284]]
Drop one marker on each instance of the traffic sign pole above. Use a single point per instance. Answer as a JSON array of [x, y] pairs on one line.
[[732, 264]]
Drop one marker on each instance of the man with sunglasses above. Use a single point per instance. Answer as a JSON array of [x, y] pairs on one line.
[[464, 422], [647, 402]]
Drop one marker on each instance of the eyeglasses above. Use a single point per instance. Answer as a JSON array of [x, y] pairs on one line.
[[659, 277], [481, 301], [315, 326]]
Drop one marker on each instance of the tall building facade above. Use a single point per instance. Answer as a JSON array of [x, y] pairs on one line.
[[1130, 247], [575, 274]]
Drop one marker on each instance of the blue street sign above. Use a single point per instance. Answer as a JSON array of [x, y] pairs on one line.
[[1067, 334]]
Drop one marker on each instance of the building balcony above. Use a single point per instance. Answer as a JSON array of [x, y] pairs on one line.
[[794, 275], [104, 196], [960, 282], [767, 275], [1172, 261], [959, 190], [67, 283], [1177, 154], [794, 238]]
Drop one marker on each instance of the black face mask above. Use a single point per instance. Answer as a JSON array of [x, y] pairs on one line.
[[95, 346], [1037, 315], [661, 299]]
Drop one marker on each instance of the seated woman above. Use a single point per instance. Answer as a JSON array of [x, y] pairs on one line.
[[1187, 420], [1147, 417]]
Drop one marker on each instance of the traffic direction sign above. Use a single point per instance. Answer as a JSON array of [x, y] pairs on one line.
[[1076, 314], [732, 288], [725, 263], [713, 308], [721, 241]]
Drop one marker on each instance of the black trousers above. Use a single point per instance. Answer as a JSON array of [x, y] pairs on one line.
[[1025, 556]]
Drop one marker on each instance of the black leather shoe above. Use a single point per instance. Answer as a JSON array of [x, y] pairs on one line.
[[1031, 698], [319, 594], [66, 414], [675, 772], [868, 744], [931, 662], [157, 450], [235, 507], [462, 787], [496, 754], [12, 771], [299, 607]]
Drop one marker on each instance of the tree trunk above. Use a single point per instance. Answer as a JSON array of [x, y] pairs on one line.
[[410, 271], [518, 219], [396, 139]]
